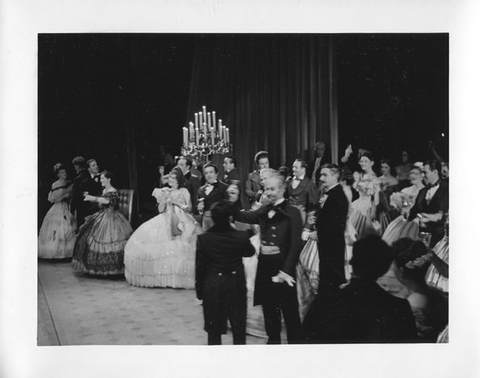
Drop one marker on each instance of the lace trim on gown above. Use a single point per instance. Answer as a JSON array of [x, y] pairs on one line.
[[101, 241], [161, 252]]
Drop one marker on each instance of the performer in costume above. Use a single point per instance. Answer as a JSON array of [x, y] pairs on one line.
[[252, 186], [161, 252], [57, 234], [76, 202], [331, 221], [302, 192], [213, 191], [280, 248], [403, 201], [431, 204], [101, 240], [220, 278], [364, 208]]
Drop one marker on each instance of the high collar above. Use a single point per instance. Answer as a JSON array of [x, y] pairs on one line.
[[334, 186]]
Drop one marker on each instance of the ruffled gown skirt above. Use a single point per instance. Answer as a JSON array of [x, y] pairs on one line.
[[400, 228], [433, 276], [156, 258], [100, 245], [307, 275], [57, 234], [361, 217]]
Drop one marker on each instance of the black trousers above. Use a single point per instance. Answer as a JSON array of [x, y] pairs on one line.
[[225, 298], [277, 299]]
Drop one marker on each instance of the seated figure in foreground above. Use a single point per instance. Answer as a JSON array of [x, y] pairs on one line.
[[364, 312]]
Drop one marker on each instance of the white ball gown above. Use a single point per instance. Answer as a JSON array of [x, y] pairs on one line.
[[362, 216], [400, 227], [57, 234], [161, 252]]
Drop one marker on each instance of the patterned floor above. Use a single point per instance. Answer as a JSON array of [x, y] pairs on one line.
[[76, 309]]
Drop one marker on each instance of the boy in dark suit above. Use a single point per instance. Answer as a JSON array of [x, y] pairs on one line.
[[220, 278]]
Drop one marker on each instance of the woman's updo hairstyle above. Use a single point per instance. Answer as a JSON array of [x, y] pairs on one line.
[[260, 155], [107, 174], [367, 154], [387, 161], [177, 172], [58, 167]]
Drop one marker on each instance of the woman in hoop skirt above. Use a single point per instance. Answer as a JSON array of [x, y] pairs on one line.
[[363, 210], [101, 239], [57, 234], [161, 252], [403, 201], [388, 184]]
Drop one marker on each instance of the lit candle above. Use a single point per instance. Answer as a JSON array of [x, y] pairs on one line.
[[204, 113], [214, 123], [196, 120], [223, 133], [228, 135], [205, 130], [197, 135], [209, 116], [212, 131], [185, 136], [191, 130]]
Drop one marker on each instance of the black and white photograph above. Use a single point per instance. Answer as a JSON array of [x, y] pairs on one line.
[[184, 196]]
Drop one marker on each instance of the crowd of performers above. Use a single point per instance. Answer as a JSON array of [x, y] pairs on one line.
[[309, 250]]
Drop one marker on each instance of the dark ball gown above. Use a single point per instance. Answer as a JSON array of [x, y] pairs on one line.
[[101, 240]]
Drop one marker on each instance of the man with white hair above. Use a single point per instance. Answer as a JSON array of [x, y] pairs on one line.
[[281, 244]]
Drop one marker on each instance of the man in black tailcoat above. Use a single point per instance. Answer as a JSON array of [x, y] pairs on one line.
[[76, 202], [213, 191], [281, 244], [91, 185], [331, 220], [192, 181], [431, 204], [220, 277]]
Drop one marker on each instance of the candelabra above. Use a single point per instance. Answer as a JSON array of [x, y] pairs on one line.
[[204, 138]]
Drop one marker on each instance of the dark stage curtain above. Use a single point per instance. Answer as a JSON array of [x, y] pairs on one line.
[[274, 92]]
